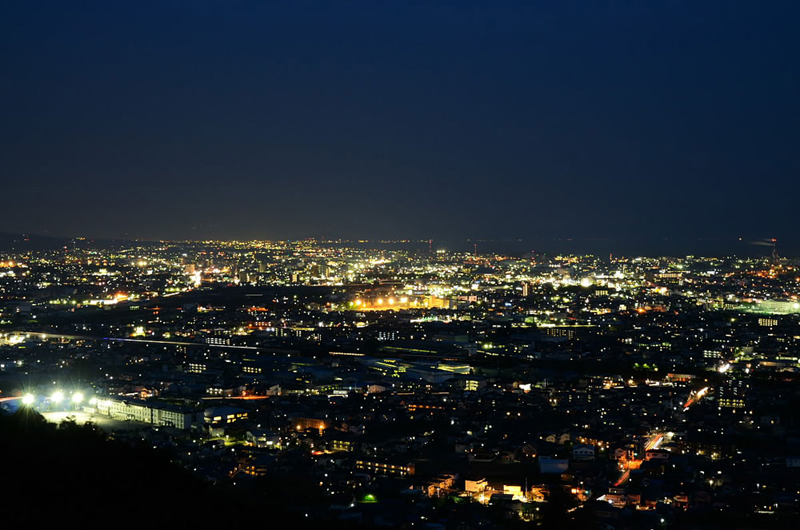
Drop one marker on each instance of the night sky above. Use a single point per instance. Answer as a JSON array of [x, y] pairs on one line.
[[459, 119]]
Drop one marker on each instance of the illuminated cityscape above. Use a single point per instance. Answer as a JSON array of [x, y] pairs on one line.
[[427, 381], [449, 265]]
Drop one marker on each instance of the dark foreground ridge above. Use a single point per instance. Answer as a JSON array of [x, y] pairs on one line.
[[73, 473]]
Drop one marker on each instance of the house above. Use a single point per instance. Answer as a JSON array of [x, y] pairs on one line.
[[583, 452], [263, 439]]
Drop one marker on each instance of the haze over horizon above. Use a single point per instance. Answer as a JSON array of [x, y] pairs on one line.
[[630, 247], [460, 120]]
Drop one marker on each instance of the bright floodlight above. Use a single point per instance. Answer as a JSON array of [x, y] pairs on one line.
[[77, 397], [57, 397], [27, 399]]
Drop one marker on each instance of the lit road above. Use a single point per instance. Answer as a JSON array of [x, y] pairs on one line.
[[622, 478], [45, 336], [653, 443], [694, 397], [246, 398]]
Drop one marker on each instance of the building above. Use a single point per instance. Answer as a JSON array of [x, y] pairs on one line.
[[583, 452], [302, 424], [153, 413], [263, 439], [380, 466], [731, 394], [222, 416]]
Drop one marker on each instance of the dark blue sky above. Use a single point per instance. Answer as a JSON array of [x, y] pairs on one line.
[[449, 119]]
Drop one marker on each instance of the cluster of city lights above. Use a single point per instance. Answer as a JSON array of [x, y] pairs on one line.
[[57, 397]]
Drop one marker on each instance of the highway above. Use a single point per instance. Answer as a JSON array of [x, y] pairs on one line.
[[653, 443], [694, 397], [45, 336]]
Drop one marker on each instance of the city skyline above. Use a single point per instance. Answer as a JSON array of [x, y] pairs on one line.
[[350, 386]]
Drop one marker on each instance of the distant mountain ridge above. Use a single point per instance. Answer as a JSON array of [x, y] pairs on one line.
[[743, 247], [12, 241], [16, 242]]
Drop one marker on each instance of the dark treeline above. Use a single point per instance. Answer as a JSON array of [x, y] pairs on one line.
[[73, 473]]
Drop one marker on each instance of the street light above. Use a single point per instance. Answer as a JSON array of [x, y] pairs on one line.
[[27, 399], [77, 397], [57, 397]]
